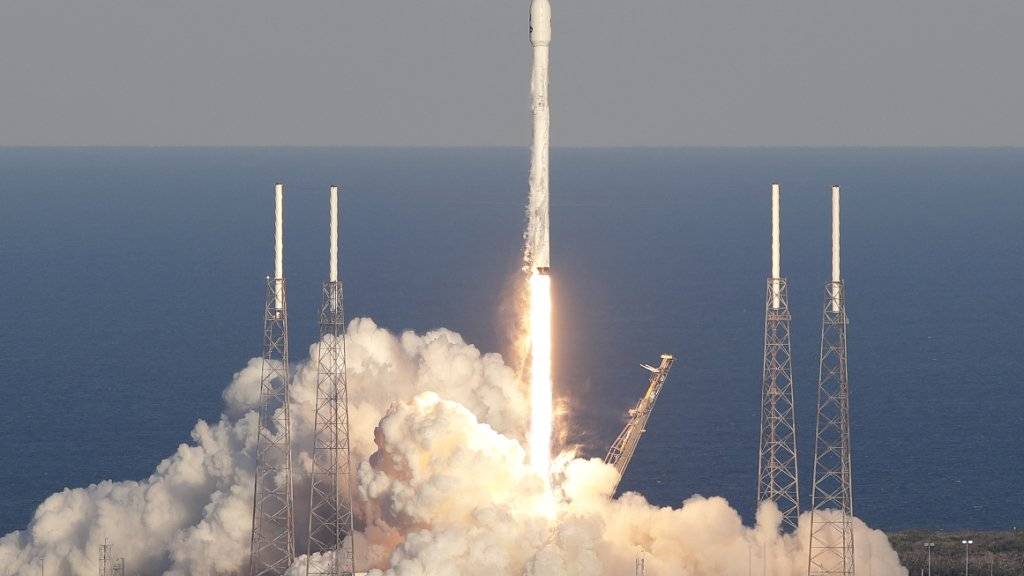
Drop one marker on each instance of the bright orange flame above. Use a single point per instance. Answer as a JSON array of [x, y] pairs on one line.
[[541, 392]]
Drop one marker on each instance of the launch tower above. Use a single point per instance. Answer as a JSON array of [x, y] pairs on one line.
[[330, 508], [831, 547], [272, 548], [622, 450], [777, 478]]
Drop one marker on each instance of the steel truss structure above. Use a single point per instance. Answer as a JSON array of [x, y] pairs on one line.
[[330, 508], [777, 470], [273, 522], [624, 446], [831, 546], [106, 559]]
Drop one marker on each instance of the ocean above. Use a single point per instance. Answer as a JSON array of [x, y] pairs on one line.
[[132, 289]]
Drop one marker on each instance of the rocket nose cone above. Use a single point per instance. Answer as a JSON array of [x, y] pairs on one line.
[[540, 22]]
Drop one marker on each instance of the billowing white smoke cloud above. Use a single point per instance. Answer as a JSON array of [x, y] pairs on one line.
[[465, 502], [443, 489]]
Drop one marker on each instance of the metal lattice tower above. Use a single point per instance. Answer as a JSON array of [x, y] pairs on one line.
[[831, 546], [105, 558], [273, 548], [624, 446], [777, 470], [330, 508]]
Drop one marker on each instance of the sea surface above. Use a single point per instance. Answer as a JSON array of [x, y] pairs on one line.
[[131, 289]]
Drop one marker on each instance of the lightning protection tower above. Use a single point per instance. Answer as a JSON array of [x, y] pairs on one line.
[[330, 508], [272, 547], [777, 477], [831, 546]]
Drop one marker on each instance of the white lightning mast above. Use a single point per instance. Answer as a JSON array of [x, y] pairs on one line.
[[330, 493], [831, 551], [777, 474], [273, 523]]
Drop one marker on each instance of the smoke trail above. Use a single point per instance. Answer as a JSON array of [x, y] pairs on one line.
[[193, 514], [444, 488]]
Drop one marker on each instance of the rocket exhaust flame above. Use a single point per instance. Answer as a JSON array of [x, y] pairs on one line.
[[541, 413]]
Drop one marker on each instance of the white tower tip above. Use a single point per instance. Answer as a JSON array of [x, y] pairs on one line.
[[279, 231], [836, 273], [334, 234], [776, 248], [278, 244]]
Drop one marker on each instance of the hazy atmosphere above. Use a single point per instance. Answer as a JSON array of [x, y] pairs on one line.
[[391, 288], [451, 73]]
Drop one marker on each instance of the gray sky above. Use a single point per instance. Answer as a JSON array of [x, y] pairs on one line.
[[456, 72]]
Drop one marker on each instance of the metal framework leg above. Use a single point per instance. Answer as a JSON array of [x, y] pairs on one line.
[[273, 548], [330, 508], [831, 546], [777, 477]]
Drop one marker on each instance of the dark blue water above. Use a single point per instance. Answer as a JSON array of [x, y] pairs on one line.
[[132, 290]]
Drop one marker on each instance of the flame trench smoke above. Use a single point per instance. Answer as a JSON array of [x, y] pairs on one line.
[[541, 387], [538, 251], [444, 488]]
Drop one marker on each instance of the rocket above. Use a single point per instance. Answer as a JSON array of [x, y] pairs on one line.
[[538, 251]]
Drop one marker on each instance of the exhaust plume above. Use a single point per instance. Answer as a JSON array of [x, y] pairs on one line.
[[444, 488]]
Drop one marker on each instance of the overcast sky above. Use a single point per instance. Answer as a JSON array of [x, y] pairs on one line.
[[455, 72]]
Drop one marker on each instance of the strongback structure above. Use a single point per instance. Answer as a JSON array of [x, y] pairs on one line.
[[777, 472], [330, 509], [831, 546], [273, 523], [622, 450]]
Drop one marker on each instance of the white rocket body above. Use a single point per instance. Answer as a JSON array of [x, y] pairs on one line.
[[538, 250]]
